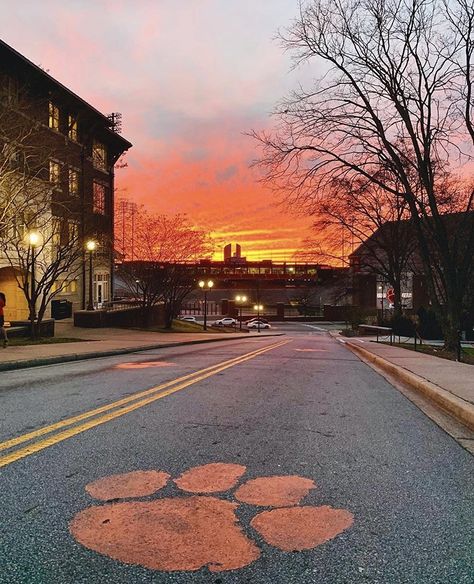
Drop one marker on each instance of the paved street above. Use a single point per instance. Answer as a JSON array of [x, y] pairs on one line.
[[391, 500]]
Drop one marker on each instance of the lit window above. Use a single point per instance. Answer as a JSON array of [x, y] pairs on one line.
[[72, 127], [54, 172], [99, 198], [73, 182], [53, 122], [99, 155]]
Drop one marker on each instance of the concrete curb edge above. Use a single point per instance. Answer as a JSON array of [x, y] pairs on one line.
[[28, 363], [462, 410]]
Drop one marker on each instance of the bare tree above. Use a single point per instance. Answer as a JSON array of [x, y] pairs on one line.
[[394, 106], [163, 244], [371, 220], [29, 206]]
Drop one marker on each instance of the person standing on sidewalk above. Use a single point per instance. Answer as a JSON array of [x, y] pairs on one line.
[[3, 302]]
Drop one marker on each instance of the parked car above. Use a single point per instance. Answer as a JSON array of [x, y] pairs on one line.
[[188, 318], [255, 323], [254, 319], [226, 321]]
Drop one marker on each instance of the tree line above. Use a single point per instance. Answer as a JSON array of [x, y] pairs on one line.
[[385, 135]]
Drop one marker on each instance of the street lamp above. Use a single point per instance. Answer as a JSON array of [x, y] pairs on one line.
[[91, 246], [258, 308], [240, 300], [205, 286], [33, 239], [137, 282]]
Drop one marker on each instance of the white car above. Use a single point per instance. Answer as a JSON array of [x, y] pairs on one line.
[[226, 321], [188, 318], [255, 323]]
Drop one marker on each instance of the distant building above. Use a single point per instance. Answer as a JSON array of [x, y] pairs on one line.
[[79, 176], [371, 290]]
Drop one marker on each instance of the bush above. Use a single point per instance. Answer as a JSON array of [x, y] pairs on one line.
[[429, 327], [403, 326]]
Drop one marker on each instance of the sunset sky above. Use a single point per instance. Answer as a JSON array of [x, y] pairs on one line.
[[190, 78]]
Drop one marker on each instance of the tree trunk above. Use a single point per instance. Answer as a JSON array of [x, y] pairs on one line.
[[33, 322], [397, 304], [168, 316], [451, 325]]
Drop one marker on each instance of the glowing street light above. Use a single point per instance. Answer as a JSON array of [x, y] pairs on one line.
[[91, 246], [240, 300], [205, 285], [33, 239], [258, 308]]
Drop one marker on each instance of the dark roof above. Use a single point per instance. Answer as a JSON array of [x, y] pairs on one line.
[[451, 220], [8, 53]]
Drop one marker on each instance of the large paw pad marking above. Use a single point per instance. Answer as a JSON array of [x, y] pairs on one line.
[[194, 531]]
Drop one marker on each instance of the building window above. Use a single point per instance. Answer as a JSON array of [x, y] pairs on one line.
[[53, 122], [65, 287], [101, 288], [99, 155], [73, 182], [98, 205], [72, 127], [54, 172]]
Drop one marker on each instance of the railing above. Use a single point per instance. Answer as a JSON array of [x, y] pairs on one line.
[[120, 305], [377, 330]]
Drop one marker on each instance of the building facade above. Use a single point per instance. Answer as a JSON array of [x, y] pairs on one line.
[[64, 152]]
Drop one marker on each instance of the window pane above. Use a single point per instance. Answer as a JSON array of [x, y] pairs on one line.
[[73, 182], [99, 155], [53, 116], [54, 172], [72, 127]]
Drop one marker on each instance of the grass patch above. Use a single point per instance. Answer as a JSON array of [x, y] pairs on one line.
[[181, 326], [467, 354], [23, 341]]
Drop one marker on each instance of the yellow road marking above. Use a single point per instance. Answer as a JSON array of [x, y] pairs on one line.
[[73, 420], [59, 437]]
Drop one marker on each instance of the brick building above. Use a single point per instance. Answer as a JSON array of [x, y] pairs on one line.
[[76, 148]]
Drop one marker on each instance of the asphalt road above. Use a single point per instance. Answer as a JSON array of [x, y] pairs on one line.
[[300, 405]]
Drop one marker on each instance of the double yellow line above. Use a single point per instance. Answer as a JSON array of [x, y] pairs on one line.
[[113, 410]]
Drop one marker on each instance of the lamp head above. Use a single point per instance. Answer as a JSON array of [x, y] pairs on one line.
[[210, 284], [91, 245], [33, 238], [202, 284]]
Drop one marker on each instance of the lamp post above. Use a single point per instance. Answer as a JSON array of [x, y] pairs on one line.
[[205, 286], [258, 308], [33, 238], [91, 246], [240, 300], [137, 282]]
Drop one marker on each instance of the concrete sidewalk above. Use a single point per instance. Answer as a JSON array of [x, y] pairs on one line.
[[105, 342], [448, 383]]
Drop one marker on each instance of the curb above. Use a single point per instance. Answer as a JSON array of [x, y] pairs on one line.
[[28, 363], [461, 409]]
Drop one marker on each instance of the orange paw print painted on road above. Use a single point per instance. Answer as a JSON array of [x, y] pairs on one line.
[[198, 530]]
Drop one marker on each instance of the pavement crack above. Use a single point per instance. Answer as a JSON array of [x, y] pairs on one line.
[[200, 424], [31, 509]]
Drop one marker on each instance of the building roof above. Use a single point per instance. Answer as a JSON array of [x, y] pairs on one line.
[[9, 54]]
